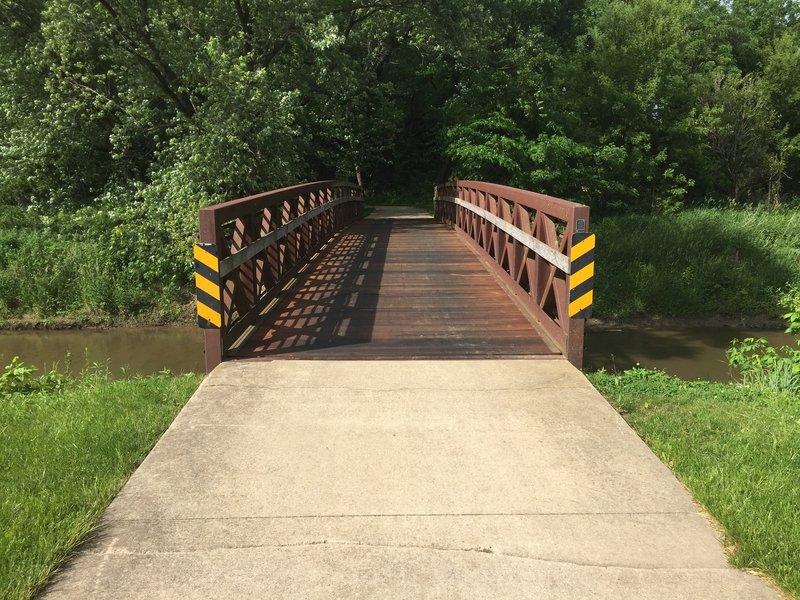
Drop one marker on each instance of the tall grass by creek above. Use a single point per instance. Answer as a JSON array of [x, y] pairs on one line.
[[695, 263], [48, 277], [71, 265]]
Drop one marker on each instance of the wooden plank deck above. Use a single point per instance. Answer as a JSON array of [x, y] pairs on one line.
[[396, 288]]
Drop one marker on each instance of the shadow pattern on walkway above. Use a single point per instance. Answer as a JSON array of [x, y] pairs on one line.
[[396, 288]]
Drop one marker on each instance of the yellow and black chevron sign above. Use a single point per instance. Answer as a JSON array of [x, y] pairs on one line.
[[581, 279], [207, 282]]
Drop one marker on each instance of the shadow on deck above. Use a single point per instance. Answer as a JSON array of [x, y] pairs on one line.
[[396, 288]]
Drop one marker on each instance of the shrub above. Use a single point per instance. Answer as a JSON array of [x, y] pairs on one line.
[[19, 378], [763, 366]]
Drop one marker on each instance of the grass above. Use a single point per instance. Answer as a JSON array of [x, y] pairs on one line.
[[736, 449], [696, 263], [70, 267], [64, 456]]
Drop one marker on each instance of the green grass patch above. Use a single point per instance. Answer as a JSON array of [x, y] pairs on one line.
[[737, 449], [64, 456], [696, 263]]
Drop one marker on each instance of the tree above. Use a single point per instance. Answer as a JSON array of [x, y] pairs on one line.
[[742, 134], [782, 82]]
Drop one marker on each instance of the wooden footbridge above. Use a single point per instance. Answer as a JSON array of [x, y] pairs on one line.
[[299, 273]]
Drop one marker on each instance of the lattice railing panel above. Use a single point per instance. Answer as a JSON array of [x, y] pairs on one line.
[[526, 237], [263, 240]]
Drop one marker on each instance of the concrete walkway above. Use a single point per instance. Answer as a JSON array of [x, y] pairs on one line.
[[408, 479]]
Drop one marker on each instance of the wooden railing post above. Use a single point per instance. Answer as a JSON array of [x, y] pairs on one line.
[[210, 233]]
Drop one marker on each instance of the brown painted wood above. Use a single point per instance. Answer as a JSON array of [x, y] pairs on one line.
[[396, 289], [536, 272], [273, 236]]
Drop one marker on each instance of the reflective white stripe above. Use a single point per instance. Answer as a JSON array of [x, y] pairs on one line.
[[551, 255]]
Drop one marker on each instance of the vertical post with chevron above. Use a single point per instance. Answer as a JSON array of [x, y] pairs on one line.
[[581, 275], [207, 284]]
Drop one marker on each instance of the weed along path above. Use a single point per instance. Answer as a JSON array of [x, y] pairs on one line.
[[383, 479]]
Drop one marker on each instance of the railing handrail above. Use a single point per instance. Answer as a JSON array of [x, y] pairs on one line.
[[558, 207], [550, 254], [272, 235], [231, 209], [526, 251]]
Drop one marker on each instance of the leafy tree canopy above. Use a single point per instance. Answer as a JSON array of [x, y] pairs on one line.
[[146, 107]]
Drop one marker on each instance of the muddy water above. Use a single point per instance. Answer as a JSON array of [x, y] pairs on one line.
[[691, 353], [140, 350]]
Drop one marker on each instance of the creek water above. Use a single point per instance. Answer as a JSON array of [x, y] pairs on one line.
[[140, 350], [690, 353]]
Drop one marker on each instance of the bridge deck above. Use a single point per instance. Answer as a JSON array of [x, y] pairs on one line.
[[390, 288]]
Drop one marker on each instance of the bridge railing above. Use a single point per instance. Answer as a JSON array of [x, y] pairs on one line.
[[527, 239], [252, 247]]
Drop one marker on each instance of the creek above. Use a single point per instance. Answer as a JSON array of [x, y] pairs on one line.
[[689, 353]]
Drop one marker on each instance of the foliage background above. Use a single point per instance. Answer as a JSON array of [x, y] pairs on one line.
[[119, 119]]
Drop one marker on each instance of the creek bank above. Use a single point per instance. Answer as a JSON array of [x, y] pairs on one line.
[[121, 350], [690, 349], [688, 352], [185, 316], [765, 322]]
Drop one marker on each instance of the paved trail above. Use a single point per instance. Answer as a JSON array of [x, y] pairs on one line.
[[407, 479]]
